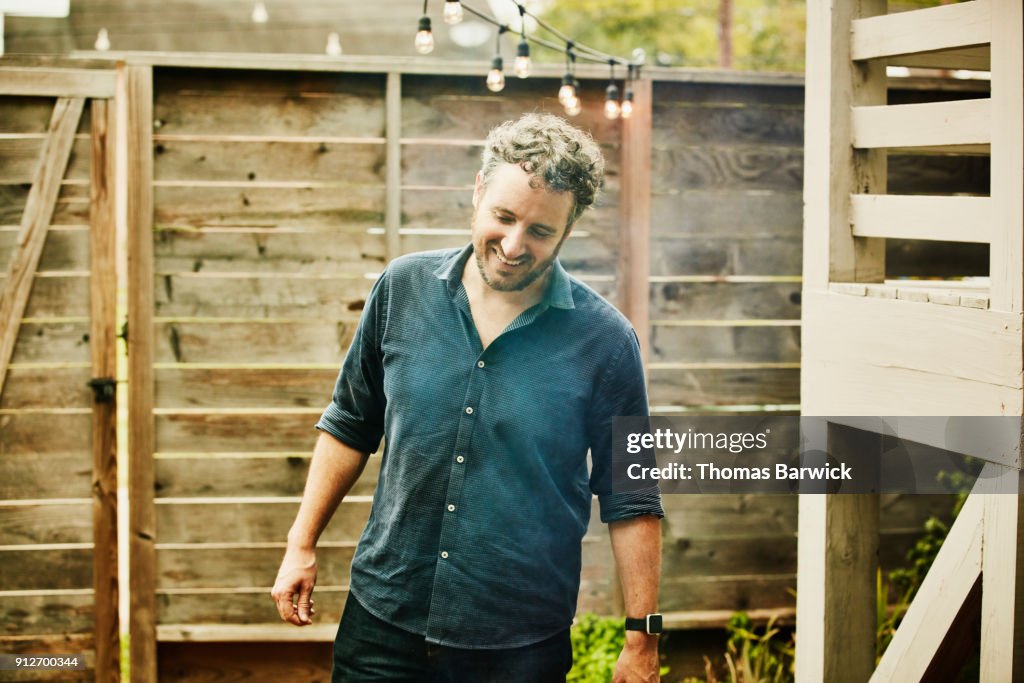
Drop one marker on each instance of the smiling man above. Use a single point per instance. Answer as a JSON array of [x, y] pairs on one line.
[[491, 373]]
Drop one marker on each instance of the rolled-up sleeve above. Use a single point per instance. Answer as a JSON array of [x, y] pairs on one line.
[[355, 415], [622, 392]]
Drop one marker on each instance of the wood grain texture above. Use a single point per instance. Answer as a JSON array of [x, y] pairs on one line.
[[46, 524], [56, 82], [255, 341], [243, 388], [30, 115], [57, 342], [723, 387], [66, 248], [924, 30], [53, 161], [748, 343], [57, 296], [725, 301], [256, 662], [38, 570], [142, 567], [216, 522], [236, 433], [25, 615], [200, 567], [72, 207], [42, 434], [47, 388], [634, 263], [19, 159], [241, 608], [27, 476]]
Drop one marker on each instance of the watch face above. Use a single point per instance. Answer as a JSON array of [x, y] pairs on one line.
[[654, 623]]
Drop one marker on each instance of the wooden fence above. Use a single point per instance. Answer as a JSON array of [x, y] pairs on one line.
[[263, 199]]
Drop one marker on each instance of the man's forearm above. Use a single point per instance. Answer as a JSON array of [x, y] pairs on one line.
[[334, 469], [636, 544]]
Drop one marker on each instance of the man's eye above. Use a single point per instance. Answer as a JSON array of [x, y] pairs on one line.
[[541, 234], [506, 219]]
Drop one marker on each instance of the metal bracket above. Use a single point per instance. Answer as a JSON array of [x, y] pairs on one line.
[[105, 389]]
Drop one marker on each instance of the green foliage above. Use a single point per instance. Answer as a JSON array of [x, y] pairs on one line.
[[596, 644], [754, 655]]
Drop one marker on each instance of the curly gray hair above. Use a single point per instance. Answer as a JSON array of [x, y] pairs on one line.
[[547, 147]]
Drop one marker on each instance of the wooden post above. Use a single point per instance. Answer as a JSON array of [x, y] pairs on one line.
[[1007, 251], [635, 210], [393, 181], [837, 562], [35, 223], [1002, 585], [103, 343], [142, 513]]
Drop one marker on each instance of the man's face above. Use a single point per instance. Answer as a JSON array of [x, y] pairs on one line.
[[518, 227]]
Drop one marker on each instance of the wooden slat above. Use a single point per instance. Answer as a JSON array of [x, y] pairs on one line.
[[320, 631], [57, 296], [923, 30], [754, 386], [41, 434], [254, 341], [72, 205], [47, 388], [259, 662], [34, 225], [31, 614], [260, 432], [217, 475], [724, 257], [47, 569], [954, 219], [635, 205], [959, 122], [103, 340], [1007, 156], [28, 476], [244, 388], [945, 586], [50, 82], [200, 567], [1002, 578], [685, 122], [20, 158], [66, 248], [720, 167], [731, 592], [138, 85], [725, 344], [393, 167], [25, 115], [45, 524], [972, 58], [725, 301], [255, 522]]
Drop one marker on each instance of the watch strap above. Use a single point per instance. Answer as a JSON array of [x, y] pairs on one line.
[[649, 624]]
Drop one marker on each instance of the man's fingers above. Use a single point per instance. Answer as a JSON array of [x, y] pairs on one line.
[[305, 604], [285, 608]]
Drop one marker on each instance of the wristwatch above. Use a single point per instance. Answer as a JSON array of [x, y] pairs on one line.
[[650, 624]]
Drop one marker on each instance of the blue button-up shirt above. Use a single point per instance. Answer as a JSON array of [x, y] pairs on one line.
[[474, 536]]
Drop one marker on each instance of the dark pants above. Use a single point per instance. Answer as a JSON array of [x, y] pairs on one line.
[[369, 649]]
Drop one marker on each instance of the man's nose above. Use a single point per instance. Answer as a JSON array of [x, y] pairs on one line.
[[513, 244]]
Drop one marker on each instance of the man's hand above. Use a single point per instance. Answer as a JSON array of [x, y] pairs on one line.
[[638, 661], [297, 576]]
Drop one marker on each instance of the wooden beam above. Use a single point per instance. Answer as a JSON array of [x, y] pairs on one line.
[[958, 122], [393, 182], [952, 219], [35, 222], [1002, 593], [972, 58], [945, 588], [923, 30], [245, 633], [51, 82], [103, 344], [141, 436], [635, 205], [1007, 253]]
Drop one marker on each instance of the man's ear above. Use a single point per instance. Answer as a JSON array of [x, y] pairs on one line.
[[478, 188]]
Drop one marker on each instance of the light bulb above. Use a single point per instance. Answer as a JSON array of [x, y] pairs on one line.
[[573, 106], [102, 40], [452, 12], [496, 76], [333, 47], [627, 104], [611, 102], [424, 38], [259, 13], [522, 65], [567, 91]]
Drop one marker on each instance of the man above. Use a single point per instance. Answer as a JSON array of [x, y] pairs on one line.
[[491, 373]]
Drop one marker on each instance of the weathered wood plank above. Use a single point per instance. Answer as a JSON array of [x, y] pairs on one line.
[[340, 164], [61, 296], [268, 522], [747, 343], [223, 607], [192, 295], [953, 219], [64, 249], [34, 524], [236, 433], [722, 256], [26, 475], [727, 592], [200, 567], [72, 206], [253, 85], [254, 341], [669, 95], [243, 388], [721, 167], [57, 569], [30, 115], [275, 252], [723, 387], [46, 178], [19, 158], [923, 30], [26, 615], [47, 388], [963, 122], [713, 123], [727, 213], [358, 207], [725, 301], [217, 476], [82, 646], [55, 82], [42, 434], [60, 342], [634, 239]]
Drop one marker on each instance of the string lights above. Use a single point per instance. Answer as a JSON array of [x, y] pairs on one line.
[[568, 93]]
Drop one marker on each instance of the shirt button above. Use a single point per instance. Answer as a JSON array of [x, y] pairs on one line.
[[460, 459], [469, 410], [451, 508], [480, 363], [444, 554]]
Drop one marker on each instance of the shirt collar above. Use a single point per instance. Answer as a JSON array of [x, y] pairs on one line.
[[557, 295]]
